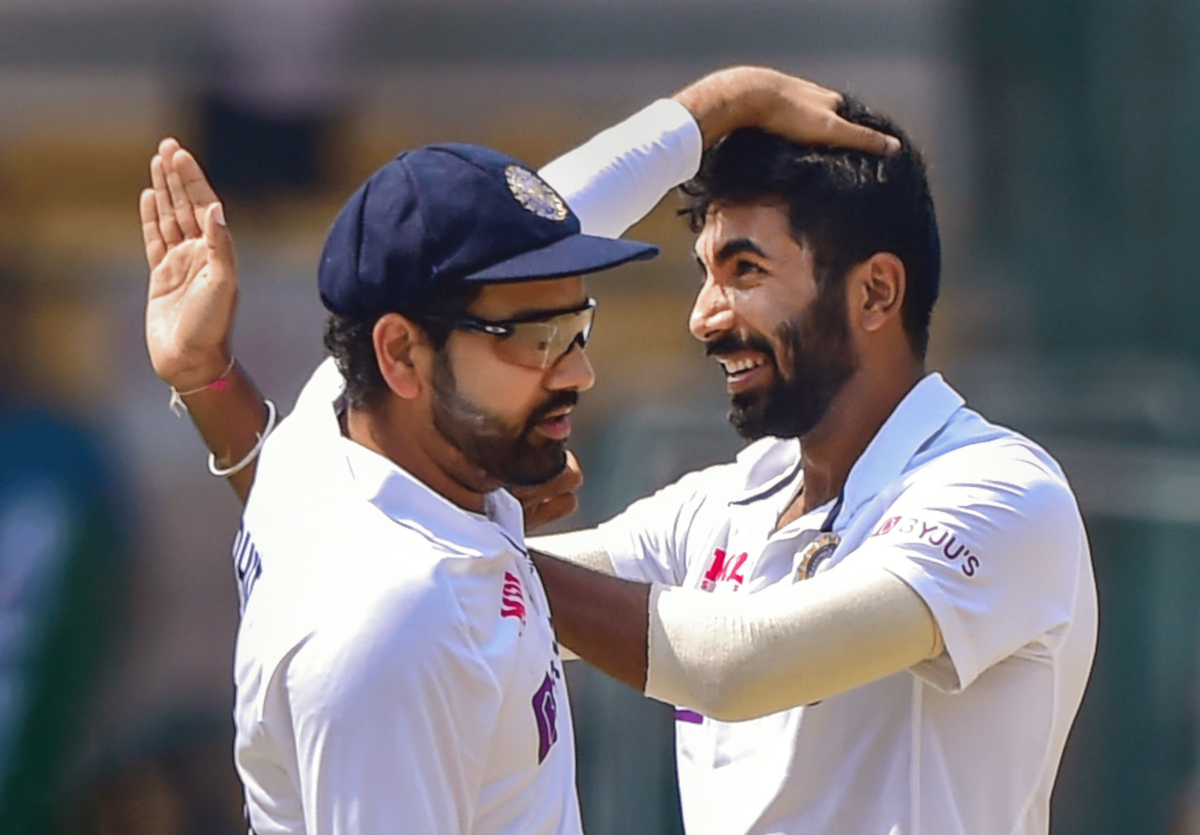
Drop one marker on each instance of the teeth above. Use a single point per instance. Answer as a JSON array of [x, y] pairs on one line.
[[738, 366]]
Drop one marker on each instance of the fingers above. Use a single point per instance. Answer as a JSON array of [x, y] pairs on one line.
[[220, 242], [553, 500], [191, 175], [185, 212], [861, 138], [156, 250], [167, 225], [549, 511], [571, 478]]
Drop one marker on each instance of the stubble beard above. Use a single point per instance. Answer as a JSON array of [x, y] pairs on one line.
[[510, 455]]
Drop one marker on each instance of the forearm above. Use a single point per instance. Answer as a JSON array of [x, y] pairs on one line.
[[576, 547], [740, 657], [601, 618], [230, 420]]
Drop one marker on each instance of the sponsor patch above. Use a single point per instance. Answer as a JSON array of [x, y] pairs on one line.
[[725, 568], [512, 598], [945, 544], [545, 712]]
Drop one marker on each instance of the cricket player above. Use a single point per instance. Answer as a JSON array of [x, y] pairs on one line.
[[396, 668], [881, 617]]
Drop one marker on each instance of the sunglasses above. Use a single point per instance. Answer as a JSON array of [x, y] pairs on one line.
[[535, 341]]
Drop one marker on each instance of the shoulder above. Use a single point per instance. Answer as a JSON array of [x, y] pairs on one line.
[[972, 448], [993, 479], [389, 624]]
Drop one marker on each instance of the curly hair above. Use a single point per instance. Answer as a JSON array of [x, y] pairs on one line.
[[844, 205]]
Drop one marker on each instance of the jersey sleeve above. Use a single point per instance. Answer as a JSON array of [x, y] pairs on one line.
[[615, 179], [392, 718], [995, 557], [649, 541]]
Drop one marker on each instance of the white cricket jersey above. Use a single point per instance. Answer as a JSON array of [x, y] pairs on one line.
[[396, 667], [982, 524]]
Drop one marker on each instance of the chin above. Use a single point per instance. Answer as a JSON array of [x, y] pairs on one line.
[[531, 467], [773, 418]]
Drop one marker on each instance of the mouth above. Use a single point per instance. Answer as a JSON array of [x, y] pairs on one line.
[[556, 425], [744, 370]]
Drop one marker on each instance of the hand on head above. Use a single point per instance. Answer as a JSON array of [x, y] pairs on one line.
[[798, 110]]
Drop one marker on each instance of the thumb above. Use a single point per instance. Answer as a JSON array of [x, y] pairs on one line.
[[216, 235]]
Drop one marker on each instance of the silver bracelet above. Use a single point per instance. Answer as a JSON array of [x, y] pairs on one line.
[[252, 454]]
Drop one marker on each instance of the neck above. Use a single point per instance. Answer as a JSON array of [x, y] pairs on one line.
[[421, 451], [830, 450]]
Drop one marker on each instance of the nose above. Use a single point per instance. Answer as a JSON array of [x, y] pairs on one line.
[[712, 314], [572, 372]]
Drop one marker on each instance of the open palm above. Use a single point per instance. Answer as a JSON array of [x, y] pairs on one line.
[[193, 272]]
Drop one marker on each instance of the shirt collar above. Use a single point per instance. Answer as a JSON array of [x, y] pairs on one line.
[[397, 493], [410, 502], [918, 417], [772, 465]]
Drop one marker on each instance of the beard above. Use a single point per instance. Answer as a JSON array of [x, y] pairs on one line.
[[510, 454], [816, 346]]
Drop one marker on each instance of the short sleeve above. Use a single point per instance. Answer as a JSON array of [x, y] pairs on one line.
[[613, 180], [650, 540], [994, 551], [392, 712]]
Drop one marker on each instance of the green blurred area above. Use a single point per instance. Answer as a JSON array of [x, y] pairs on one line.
[[1087, 129]]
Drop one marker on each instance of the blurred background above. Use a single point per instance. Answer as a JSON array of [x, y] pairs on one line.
[[1062, 139]]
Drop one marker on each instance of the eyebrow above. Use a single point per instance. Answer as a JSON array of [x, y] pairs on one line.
[[734, 248], [535, 313]]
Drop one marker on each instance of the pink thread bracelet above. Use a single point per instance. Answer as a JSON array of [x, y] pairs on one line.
[[220, 384]]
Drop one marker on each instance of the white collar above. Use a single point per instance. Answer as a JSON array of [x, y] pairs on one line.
[[410, 502], [772, 464], [396, 492], [911, 426]]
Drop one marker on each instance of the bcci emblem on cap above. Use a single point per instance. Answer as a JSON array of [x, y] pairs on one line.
[[534, 194]]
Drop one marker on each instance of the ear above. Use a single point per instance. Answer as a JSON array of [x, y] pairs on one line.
[[879, 290], [399, 348]]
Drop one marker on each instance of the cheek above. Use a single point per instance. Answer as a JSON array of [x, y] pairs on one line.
[[499, 387]]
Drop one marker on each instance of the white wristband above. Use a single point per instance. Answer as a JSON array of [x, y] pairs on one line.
[[252, 454]]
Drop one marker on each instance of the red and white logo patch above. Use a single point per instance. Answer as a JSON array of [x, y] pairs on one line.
[[512, 598], [725, 568]]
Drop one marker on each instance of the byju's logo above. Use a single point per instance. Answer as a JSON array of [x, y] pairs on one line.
[[545, 712], [942, 541]]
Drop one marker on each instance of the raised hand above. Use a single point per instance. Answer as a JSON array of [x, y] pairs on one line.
[[193, 272]]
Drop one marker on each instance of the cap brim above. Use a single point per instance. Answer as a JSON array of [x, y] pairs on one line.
[[574, 255]]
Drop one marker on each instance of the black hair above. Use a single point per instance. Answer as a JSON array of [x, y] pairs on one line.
[[351, 344], [844, 205]]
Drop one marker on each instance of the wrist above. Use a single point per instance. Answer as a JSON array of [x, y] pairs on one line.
[[198, 373], [216, 382], [729, 99]]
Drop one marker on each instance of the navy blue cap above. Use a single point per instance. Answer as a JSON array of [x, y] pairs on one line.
[[442, 215]]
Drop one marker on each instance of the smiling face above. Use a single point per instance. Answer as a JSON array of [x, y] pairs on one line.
[[783, 340], [510, 420]]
